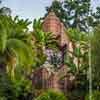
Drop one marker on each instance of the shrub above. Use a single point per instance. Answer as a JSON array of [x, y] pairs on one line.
[[7, 91], [95, 95], [51, 95]]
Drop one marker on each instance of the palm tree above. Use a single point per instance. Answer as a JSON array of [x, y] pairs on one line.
[[15, 45]]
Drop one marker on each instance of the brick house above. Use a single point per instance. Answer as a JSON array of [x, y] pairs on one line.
[[58, 80]]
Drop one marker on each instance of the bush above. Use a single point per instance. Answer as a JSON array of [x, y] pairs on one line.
[[14, 90], [7, 91], [51, 95], [95, 95], [23, 89]]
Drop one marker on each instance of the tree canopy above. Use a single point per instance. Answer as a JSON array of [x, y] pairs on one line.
[[76, 13]]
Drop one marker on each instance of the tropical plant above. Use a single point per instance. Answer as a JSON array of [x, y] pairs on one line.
[[78, 11], [4, 10], [96, 16], [95, 56], [77, 61], [23, 88], [15, 44], [51, 95], [42, 40], [95, 95], [7, 90], [80, 51]]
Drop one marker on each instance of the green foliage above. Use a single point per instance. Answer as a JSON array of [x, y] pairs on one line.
[[43, 39], [5, 11], [59, 11], [7, 90], [95, 42], [73, 13], [15, 42], [72, 66], [17, 56], [95, 96], [39, 58], [51, 95], [37, 25], [76, 13], [77, 61], [80, 52], [21, 55], [23, 88]]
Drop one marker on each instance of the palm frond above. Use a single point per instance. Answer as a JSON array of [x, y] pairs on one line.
[[22, 51]]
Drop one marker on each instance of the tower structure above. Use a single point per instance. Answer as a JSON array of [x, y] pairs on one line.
[[52, 24]]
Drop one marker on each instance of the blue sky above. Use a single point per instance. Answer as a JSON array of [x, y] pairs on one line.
[[32, 8], [27, 8]]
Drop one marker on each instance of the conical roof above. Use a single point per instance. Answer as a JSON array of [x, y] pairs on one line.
[[52, 23], [51, 15]]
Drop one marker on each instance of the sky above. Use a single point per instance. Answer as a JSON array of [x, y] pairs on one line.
[[27, 8], [32, 8]]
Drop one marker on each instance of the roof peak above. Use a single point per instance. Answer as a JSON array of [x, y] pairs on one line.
[[51, 14]]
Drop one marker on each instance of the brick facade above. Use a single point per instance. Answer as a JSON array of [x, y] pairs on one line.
[[50, 80]]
